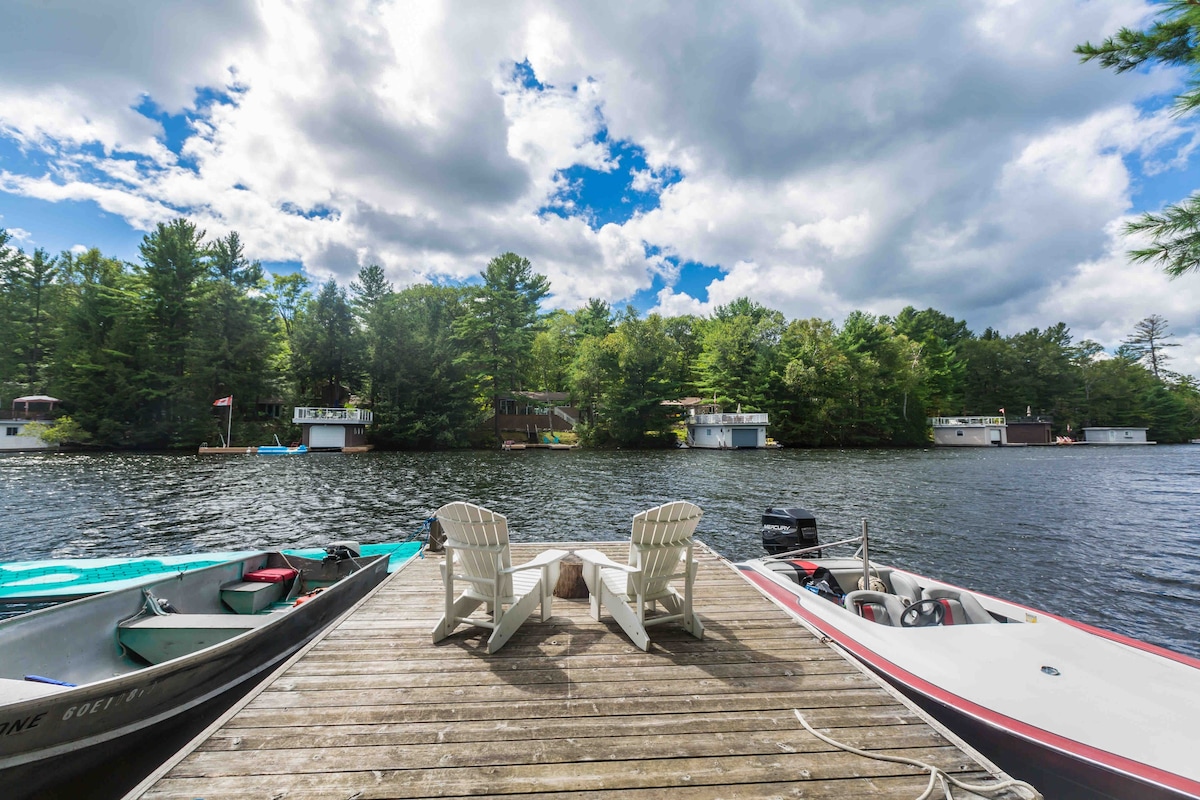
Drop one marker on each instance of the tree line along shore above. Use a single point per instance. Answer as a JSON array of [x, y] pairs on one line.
[[138, 352]]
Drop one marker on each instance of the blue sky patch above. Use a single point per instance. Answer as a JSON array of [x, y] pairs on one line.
[[31, 161], [60, 226], [178, 128], [1172, 186], [316, 212], [615, 195], [283, 267], [525, 76], [693, 280]]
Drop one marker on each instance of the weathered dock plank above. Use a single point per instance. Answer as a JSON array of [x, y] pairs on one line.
[[569, 707]]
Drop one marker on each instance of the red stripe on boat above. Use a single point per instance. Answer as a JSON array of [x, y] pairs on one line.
[[949, 620], [1045, 738]]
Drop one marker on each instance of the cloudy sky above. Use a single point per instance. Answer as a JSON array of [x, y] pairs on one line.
[[818, 157]]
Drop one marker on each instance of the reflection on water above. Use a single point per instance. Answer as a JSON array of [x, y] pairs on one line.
[[1106, 535]]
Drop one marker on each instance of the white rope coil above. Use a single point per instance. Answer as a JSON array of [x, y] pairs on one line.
[[876, 585], [936, 774]]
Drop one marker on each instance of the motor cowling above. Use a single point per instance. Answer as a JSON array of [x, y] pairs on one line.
[[786, 529], [340, 551]]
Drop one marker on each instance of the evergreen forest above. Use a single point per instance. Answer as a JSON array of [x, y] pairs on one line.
[[138, 353]]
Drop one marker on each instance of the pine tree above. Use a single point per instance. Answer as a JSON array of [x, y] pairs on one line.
[[1171, 40], [499, 326], [1147, 344]]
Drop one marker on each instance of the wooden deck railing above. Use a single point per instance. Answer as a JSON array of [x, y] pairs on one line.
[[335, 415]]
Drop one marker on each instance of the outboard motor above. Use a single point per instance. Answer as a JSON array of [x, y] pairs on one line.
[[340, 551], [785, 529]]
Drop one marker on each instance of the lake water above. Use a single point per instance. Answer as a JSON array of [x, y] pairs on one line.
[[1105, 535]]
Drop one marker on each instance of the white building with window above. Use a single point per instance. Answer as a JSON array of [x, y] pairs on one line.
[[969, 431], [15, 437], [719, 431], [27, 410], [333, 429], [1115, 435]]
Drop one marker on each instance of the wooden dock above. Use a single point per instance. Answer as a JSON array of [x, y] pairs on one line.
[[568, 708]]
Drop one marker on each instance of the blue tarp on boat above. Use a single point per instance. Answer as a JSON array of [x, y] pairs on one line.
[[71, 577], [281, 450]]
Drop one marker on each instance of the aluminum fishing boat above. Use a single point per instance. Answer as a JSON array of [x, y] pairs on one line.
[[84, 681], [1077, 711]]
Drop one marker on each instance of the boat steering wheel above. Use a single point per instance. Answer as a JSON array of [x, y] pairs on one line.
[[923, 613]]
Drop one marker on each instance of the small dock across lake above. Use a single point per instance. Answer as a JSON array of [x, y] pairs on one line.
[[568, 708]]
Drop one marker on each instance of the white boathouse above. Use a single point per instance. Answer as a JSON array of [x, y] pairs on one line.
[[1115, 435], [343, 429], [969, 431], [719, 431], [25, 411]]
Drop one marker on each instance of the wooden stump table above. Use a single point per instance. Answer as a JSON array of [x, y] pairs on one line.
[[570, 578]]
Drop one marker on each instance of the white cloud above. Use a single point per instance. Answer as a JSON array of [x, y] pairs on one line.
[[1104, 299], [828, 156], [19, 236]]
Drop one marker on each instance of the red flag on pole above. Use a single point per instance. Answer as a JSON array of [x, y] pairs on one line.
[[224, 401]]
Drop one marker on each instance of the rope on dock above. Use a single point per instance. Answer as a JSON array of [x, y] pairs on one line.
[[936, 774]]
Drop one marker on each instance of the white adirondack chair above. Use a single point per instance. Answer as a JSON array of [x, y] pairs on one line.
[[477, 554], [660, 551]]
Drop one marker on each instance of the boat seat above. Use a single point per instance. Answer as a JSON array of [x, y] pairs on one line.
[[905, 588], [250, 597], [271, 575], [880, 607], [161, 638], [961, 608]]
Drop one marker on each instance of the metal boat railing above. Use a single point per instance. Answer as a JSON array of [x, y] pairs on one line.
[[862, 551], [815, 548]]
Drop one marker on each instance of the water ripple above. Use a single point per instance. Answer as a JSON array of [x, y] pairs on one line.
[[1104, 535]]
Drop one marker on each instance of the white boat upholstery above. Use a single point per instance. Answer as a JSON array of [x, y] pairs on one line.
[[880, 607], [477, 555], [961, 607], [905, 588]]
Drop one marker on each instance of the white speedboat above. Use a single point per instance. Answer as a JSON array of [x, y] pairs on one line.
[[1073, 709]]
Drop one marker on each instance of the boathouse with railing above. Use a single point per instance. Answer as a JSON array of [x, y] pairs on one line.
[[716, 430], [969, 431], [14, 432], [333, 429]]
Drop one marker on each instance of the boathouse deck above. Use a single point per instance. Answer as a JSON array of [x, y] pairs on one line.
[[569, 708]]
